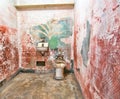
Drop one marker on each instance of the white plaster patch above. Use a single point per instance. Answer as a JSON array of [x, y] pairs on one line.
[[96, 96], [1, 47]]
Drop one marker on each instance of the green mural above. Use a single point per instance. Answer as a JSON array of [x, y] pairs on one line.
[[53, 31]]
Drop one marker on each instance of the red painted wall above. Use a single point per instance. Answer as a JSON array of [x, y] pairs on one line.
[[8, 41], [8, 52], [97, 48]]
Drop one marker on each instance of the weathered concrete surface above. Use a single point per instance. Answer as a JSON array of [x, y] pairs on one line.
[[40, 86]]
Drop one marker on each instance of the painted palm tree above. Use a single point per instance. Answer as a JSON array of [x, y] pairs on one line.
[[53, 31]]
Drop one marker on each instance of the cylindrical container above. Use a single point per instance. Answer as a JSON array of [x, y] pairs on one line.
[[59, 73]]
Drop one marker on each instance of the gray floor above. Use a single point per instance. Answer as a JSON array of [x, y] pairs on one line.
[[40, 86]]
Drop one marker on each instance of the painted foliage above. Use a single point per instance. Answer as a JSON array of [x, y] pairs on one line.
[[53, 32]]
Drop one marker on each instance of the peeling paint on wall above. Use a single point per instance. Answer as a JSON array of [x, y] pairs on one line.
[[8, 53], [9, 56], [103, 61]]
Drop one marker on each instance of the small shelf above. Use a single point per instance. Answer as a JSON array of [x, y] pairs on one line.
[[45, 6]]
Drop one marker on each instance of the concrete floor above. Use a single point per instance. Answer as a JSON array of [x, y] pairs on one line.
[[40, 86]]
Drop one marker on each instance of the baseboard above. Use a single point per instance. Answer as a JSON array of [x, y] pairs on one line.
[[27, 70], [3, 82], [79, 86]]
